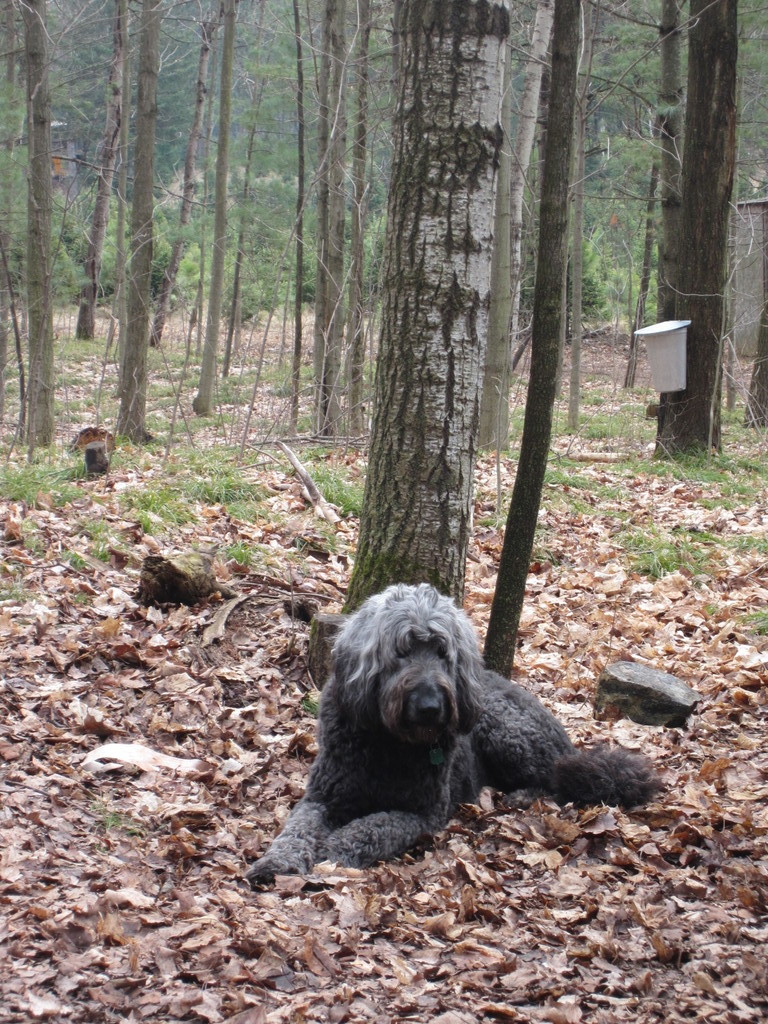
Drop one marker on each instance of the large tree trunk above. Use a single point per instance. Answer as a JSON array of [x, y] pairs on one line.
[[203, 402], [207, 30], [494, 416], [547, 316], [40, 391], [670, 121], [133, 367], [436, 281], [691, 418], [86, 316]]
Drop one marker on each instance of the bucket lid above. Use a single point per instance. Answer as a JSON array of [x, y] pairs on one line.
[[665, 327]]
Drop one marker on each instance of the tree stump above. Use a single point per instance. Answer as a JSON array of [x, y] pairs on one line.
[[645, 695], [183, 579], [322, 634], [96, 458]]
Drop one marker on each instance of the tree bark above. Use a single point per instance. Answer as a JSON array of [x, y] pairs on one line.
[[203, 402], [691, 418], [133, 368], [520, 529], [207, 30], [40, 390], [436, 280], [86, 315], [495, 398]]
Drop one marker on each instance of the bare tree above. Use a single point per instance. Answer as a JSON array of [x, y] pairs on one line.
[[107, 154], [329, 278], [300, 192], [670, 134], [203, 402], [40, 390], [494, 415], [133, 364], [207, 30], [545, 348], [690, 419], [356, 321]]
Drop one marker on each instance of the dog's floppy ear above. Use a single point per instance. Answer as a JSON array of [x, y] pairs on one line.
[[469, 669], [354, 671]]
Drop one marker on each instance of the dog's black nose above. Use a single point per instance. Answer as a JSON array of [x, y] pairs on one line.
[[426, 706]]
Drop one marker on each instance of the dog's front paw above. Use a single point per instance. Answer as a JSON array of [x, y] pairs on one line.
[[263, 871]]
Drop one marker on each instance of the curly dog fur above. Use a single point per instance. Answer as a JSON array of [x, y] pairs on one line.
[[412, 724]]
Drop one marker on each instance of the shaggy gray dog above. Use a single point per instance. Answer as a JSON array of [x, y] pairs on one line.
[[411, 724]]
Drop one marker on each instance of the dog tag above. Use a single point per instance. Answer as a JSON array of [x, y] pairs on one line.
[[436, 756]]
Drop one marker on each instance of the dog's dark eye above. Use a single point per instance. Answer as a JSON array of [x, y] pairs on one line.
[[442, 648]]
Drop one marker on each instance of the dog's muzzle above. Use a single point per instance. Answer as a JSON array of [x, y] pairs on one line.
[[426, 709]]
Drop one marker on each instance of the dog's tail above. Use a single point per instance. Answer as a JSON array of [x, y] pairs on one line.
[[604, 775]]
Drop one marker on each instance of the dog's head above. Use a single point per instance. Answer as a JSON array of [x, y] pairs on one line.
[[408, 660]]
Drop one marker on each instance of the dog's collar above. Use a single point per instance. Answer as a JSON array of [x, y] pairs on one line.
[[436, 755]]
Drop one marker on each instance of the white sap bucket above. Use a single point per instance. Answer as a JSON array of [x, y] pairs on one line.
[[665, 345]]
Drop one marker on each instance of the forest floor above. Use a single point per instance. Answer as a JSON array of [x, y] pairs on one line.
[[121, 892]]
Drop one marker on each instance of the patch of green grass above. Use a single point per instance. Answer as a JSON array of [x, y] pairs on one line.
[[311, 703], [758, 622], [337, 489], [74, 559], [12, 591], [112, 820], [38, 485], [157, 507], [656, 554], [242, 553]]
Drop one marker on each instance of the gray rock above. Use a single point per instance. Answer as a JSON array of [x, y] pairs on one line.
[[645, 695]]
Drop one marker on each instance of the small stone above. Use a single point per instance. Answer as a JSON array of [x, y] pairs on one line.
[[645, 695]]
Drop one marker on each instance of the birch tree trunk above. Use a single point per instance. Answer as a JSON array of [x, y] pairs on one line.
[[494, 405], [133, 367], [416, 516], [203, 402], [520, 530], [40, 391], [86, 315], [495, 396], [690, 419], [207, 30]]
